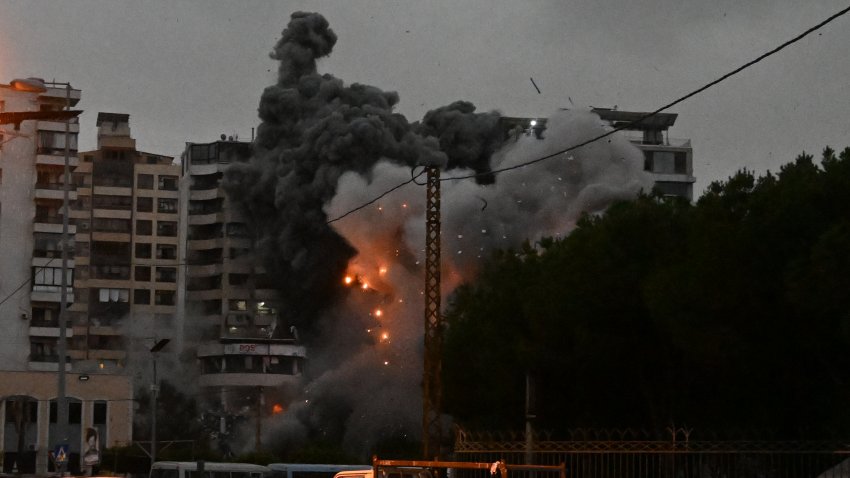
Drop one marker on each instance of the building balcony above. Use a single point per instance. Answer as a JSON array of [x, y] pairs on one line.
[[204, 294], [198, 169], [53, 191], [208, 218], [50, 225], [102, 354], [204, 270], [58, 126], [203, 244], [49, 330], [666, 145], [63, 93], [248, 380], [56, 160], [113, 190], [47, 258], [52, 295], [205, 194]]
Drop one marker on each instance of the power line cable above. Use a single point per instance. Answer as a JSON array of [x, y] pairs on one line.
[[629, 124]]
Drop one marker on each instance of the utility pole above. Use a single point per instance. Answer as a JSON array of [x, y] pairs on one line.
[[257, 438], [159, 345], [62, 347], [432, 432]]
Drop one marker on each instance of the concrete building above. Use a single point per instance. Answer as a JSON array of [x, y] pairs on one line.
[[32, 158], [669, 160], [32, 188], [231, 308], [126, 258], [28, 411]]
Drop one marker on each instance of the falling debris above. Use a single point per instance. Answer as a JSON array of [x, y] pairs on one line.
[[535, 85]]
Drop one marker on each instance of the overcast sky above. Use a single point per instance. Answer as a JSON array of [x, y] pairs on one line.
[[192, 70]]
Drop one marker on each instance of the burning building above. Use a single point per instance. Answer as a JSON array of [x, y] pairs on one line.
[[348, 266], [248, 350]]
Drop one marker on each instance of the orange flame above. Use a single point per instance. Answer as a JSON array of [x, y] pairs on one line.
[[277, 408]]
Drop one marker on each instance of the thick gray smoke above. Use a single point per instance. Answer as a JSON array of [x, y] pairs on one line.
[[314, 129], [324, 148]]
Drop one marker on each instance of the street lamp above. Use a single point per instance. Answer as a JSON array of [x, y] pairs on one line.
[[159, 345]]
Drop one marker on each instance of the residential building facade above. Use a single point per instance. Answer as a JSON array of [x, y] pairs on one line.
[[126, 252], [669, 160], [32, 162], [33, 158], [231, 308]]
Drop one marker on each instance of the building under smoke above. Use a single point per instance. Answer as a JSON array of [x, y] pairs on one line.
[[247, 347]]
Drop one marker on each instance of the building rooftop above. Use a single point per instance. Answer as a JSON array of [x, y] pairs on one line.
[[659, 121], [112, 118]]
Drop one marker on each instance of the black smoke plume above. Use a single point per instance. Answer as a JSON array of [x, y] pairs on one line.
[[313, 130]]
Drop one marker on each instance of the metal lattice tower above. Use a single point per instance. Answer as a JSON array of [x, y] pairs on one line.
[[432, 432]]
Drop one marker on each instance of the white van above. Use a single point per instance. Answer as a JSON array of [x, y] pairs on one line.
[[189, 469]]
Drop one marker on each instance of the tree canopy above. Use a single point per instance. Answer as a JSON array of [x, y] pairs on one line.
[[730, 313]]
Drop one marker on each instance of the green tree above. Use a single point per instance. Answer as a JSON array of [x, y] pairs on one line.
[[729, 313]]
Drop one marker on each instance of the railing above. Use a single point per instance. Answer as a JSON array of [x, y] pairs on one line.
[[48, 219], [630, 456], [51, 186]]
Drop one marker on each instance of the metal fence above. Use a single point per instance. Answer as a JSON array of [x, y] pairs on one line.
[[633, 455]]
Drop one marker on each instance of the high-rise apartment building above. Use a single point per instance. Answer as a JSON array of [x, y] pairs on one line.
[[668, 160], [32, 159], [126, 257], [33, 156], [231, 308]]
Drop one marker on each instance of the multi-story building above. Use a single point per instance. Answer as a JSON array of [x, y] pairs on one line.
[[32, 160], [33, 157], [126, 258], [668, 160], [230, 306]]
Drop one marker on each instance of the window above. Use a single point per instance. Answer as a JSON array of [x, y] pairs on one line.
[[102, 224], [164, 297], [237, 279], [166, 205], [113, 295], [47, 244], [53, 142], [144, 227], [680, 162], [166, 274], [143, 251], [144, 204], [166, 228], [141, 296], [238, 304], [166, 251], [75, 412], [112, 202], [143, 273], [167, 183], [49, 279], [99, 415], [203, 153], [144, 181]]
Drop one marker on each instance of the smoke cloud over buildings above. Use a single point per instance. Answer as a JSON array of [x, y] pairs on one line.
[[324, 148]]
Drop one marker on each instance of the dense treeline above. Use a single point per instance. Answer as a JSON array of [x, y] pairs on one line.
[[732, 313]]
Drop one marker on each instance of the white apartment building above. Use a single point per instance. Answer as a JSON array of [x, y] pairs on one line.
[[32, 157]]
